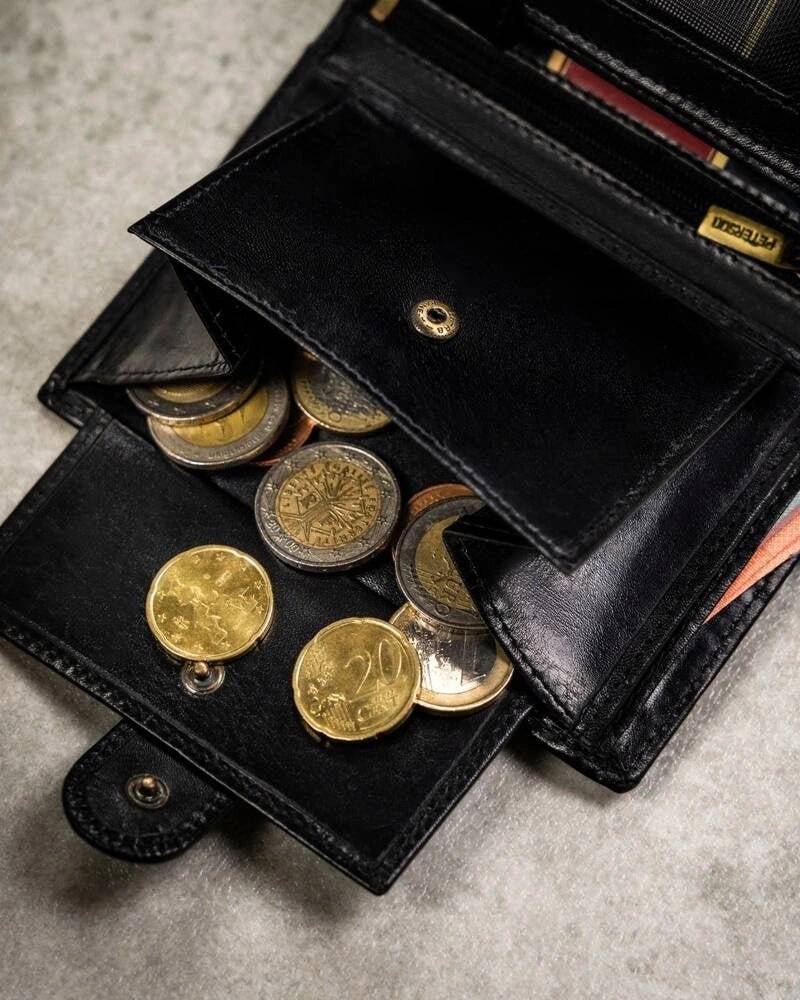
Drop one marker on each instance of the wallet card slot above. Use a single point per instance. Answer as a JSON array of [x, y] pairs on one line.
[[72, 589], [571, 389]]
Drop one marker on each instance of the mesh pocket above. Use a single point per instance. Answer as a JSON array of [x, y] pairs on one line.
[[761, 35]]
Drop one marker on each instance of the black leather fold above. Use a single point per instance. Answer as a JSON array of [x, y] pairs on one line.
[[100, 811]]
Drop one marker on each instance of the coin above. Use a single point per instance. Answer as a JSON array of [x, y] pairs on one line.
[[425, 571], [461, 671], [427, 498], [328, 507], [232, 439], [331, 400], [356, 679], [297, 431], [210, 603], [194, 402]]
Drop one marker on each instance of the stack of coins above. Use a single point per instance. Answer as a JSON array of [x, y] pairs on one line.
[[251, 416]]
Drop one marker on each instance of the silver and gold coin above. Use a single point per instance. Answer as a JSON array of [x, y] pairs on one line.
[[328, 507], [356, 679], [331, 400], [211, 603], [425, 571], [461, 671], [230, 440], [194, 402]]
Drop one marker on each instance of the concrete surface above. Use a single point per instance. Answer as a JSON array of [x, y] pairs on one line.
[[540, 884]]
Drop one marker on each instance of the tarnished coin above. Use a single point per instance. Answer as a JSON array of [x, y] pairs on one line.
[[194, 402], [427, 498], [332, 401], [232, 439], [461, 671], [425, 572], [210, 603], [297, 431], [328, 507], [356, 679]]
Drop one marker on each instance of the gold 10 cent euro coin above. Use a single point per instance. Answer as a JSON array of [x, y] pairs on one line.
[[211, 603], [356, 679]]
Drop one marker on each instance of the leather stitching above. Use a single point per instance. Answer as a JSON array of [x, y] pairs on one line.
[[88, 823]]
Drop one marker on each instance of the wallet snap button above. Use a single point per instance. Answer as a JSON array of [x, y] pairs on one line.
[[434, 318], [202, 678], [147, 791]]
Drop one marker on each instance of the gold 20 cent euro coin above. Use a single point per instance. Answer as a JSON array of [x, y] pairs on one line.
[[356, 679]]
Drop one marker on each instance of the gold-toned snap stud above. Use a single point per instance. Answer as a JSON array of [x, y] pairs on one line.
[[202, 678], [434, 318], [147, 791]]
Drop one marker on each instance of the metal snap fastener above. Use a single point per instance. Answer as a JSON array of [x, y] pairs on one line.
[[147, 791], [434, 318], [202, 678]]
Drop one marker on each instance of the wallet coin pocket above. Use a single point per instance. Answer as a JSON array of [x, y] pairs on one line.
[[559, 386]]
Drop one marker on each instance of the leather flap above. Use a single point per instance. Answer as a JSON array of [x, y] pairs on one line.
[[572, 388]]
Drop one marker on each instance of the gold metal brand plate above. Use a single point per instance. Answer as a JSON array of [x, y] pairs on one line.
[[729, 229]]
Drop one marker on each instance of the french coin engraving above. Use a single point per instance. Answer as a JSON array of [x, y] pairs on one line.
[[461, 671], [333, 401], [328, 507], [210, 603], [427, 574], [356, 679]]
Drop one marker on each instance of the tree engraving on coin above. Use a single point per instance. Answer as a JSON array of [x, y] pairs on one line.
[[194, 401], [461, 671], [230, 440], [356, 679], [426, 573], [328, 507], [210, 603], [333, 401]]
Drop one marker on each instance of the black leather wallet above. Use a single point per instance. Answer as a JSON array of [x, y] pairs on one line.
[[622, 393]]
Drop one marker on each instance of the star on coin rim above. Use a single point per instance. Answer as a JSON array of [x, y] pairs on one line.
[[234, 391], [348, 556], [482, 695], [408, 705], [226, 456], [225, 657], [405, 567], [316, 414]]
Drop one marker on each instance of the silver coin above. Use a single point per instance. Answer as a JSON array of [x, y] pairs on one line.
[[425, 572], [328, 507], [194, 402], [461, 671], [237, 437]]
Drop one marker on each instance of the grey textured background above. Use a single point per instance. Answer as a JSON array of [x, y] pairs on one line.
[[540, 884]]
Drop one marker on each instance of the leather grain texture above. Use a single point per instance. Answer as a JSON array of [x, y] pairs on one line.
[[100, 811], [603, 394], [68, 595]]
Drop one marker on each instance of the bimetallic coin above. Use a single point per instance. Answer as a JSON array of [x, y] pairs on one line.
[[356, 679], [194, 402], [332, 401], [328, 507], [295, 434], [427, 498], [461, 671], [210, 603], [425, 572], [231, 440]]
